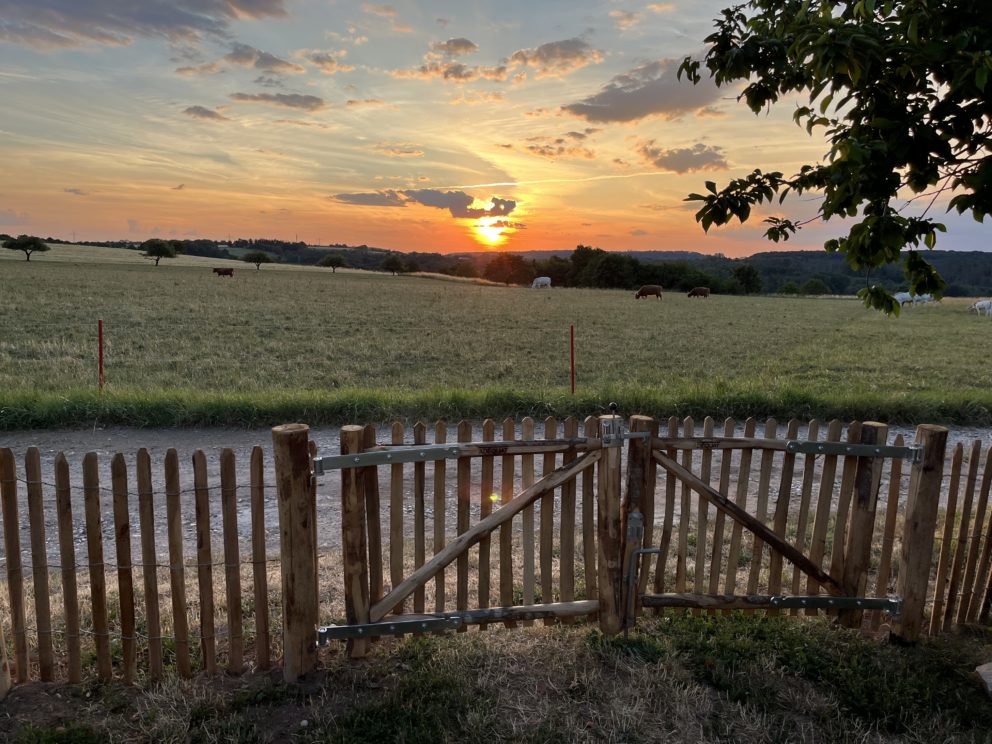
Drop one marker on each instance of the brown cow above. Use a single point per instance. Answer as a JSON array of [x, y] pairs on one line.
[[647, 290], [224, 272], [699, 292]]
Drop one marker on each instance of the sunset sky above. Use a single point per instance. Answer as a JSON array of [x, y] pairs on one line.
[[429, 126]]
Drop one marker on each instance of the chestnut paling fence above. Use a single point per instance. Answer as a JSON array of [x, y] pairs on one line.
[[229, 567]]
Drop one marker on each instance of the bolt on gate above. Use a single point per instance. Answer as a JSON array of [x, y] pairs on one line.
[[620, 542]]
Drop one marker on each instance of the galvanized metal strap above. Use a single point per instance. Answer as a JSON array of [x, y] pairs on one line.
[[912, 453], [400, 627], [399, 454], [891, 605]]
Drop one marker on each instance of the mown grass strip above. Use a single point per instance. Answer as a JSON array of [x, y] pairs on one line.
[[169, 408]]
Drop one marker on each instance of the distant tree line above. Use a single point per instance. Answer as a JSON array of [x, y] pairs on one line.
[[773, 272]]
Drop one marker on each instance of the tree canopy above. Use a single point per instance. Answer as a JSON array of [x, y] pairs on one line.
[[334, 261], [28, 244], [901, 90], [158, 249], [257, 258], [392, 264]]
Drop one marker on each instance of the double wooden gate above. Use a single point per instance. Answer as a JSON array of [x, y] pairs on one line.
[[629, 549]]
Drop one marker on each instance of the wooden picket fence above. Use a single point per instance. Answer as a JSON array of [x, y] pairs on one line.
[[522, 527]]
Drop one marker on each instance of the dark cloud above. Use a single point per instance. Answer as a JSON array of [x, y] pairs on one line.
[[508, 223], [458, 203], [50, 24], [638, 232], [365, 102], [649, 90], [555, 148], [387, 198], [326, 62], [453, 71], [202, 112], [180, 187], [269, 82], [249, 56], [77, 192], [558, 57], [455, 47], [683, 159], [290, 100]]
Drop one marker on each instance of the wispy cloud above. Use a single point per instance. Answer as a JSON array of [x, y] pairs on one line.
[[12, 218], [210, 68], [475, 97], [77, 192], [202, 112], [365, 103], [625, 19], [399, 150], [652, 89], [180, 187], [289, 100], [53, 24], [557, 58], [699, 157]]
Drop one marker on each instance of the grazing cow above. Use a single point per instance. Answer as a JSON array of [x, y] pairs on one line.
[[647, 290], [541, 281], [903, 298], [982, 307], [224, 272], [703, 292]]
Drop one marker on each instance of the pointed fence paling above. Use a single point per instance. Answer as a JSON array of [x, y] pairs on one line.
[[104, 570]]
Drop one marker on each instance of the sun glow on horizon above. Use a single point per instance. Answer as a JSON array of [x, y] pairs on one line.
[[490, 231]]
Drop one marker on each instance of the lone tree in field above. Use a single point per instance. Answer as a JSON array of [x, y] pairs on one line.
[[393, 263], [27, 243], [257, 258], [334, 261], [902, 92], [158, 249]]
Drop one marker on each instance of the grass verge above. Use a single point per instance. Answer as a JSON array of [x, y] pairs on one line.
[[169, 408], [680, 677]]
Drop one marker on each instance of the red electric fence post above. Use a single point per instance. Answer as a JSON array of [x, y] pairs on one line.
[[100, 352], [571, 329]]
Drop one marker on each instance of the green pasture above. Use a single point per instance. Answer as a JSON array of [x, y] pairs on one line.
[[184, 346]]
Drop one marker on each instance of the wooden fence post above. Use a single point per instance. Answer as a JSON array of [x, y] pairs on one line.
[[610, 542], [918, 532], [639, 499], [353, 530], [297, 538], [867, 480]]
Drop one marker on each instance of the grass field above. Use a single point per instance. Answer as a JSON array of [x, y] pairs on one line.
[[186, 347]]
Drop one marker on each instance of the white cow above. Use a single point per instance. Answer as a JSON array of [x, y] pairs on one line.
[[982, 307], [541, 281]]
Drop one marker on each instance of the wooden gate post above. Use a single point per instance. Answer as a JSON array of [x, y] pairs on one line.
[[353, 532], [297, 538], [639, 499], [610, 542], [918, 533]]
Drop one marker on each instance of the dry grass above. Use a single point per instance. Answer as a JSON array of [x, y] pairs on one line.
[[289, 335]]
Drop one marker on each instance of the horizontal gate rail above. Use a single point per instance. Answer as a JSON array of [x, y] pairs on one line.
[[403, 624], [397, 455], [891, 605], [912, 454]]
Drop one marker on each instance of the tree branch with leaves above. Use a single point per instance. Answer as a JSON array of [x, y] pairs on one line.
[[901, 92]]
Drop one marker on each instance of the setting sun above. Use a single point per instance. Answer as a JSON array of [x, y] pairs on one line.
[[489, 231]]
